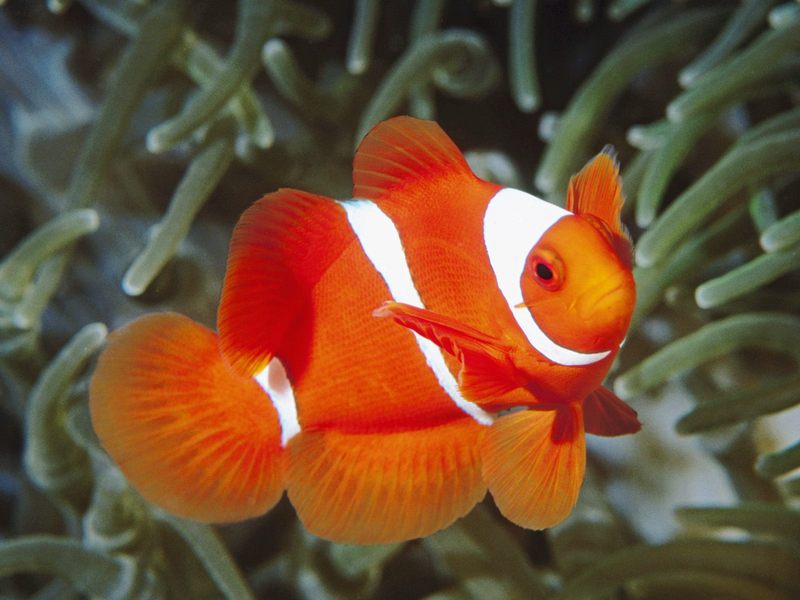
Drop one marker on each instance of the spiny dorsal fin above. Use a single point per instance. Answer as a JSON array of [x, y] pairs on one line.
[[405, 150], [596, 191]]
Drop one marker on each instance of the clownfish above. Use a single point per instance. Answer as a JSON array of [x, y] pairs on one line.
[[385, 359]]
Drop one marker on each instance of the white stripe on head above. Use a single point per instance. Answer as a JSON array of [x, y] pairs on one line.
[[382, 245], [513, 224], [274, 381]]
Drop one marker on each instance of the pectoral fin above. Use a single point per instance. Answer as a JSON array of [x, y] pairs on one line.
[[486, 367], [607, 415]]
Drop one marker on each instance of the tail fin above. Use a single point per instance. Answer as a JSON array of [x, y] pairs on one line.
[[533, 463], [189, 433]]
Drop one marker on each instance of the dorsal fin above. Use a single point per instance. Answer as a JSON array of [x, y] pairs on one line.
[[401, 151], [596, 192]]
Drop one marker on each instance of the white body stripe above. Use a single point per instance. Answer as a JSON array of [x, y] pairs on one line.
[[514, 223], [381, 243], [274, 381]]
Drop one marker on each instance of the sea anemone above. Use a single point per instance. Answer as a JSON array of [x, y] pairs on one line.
[[134, 132]]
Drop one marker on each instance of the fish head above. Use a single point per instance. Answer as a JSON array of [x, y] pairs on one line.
[[577, 284]]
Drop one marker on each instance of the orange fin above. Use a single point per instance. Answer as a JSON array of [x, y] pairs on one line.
[[483, 377], [189, 433], [279, 249], [376, 488], [487, 370], [605, 414], [596, 193], [533, 463], [448, 333], [404, 150]]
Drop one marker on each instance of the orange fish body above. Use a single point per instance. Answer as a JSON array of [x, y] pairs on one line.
[[385, 359]]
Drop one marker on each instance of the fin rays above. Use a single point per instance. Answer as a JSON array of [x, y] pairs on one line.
[[379, 488], [534, 480], [436, 141], [279, 250], [596, 194], [198, 439], [401, 152]]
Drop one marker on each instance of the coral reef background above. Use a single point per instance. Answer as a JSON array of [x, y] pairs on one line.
[[134, 132]]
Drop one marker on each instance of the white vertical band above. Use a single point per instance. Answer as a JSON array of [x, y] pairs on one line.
[[274, 381], [382, 245], [513, 224]]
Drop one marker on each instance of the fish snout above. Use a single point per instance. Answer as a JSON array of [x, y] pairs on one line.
[[607, 309]]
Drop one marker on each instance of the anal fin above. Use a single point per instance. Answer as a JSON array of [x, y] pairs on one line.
[[373, 488]]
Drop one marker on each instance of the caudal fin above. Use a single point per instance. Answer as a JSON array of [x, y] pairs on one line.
[[534, 462], [190, 434]]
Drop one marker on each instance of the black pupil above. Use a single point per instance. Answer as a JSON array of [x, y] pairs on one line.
[[544, 272]]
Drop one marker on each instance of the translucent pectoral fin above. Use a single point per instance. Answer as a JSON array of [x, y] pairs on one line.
[[607, 415], [533, 464]]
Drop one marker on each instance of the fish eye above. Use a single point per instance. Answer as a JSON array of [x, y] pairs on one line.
[[546, 270]]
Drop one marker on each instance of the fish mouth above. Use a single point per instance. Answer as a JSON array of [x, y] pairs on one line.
[[607, 314], [597, 304]]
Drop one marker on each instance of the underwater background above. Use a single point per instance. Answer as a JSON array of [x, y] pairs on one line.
[[133, 133]]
